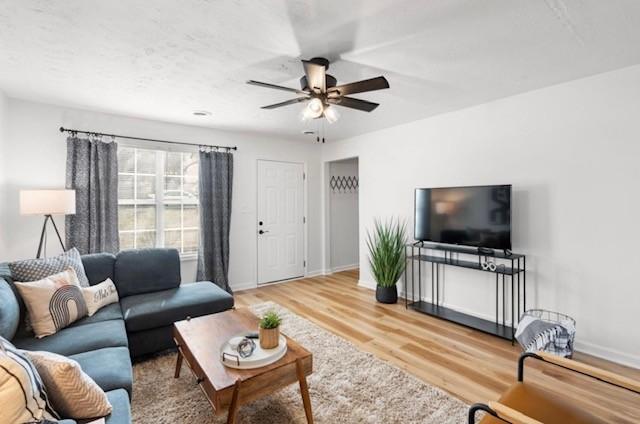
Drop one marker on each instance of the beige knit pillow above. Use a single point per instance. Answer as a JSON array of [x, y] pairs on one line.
[[53, 302], [72, 392]]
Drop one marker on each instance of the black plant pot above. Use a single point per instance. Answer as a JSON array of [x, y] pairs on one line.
[[387, 294]]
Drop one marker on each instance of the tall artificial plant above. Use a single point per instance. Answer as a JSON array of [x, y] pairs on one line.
[[386, 251]]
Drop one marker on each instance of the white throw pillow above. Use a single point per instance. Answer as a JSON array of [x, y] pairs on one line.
[[100, 295], [53, 302], [72, 392], [23, 397]]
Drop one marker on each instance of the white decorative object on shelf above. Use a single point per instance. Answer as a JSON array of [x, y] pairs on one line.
[[260, 357]]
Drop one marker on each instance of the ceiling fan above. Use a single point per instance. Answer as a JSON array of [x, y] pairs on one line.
[[322, 92]]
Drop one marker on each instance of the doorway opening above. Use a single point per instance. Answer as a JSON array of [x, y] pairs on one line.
[[343, 215]]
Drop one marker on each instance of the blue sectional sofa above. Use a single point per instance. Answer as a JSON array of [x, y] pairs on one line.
[[152, 298]]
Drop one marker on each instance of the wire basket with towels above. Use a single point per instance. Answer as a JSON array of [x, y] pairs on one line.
[[548, 331]]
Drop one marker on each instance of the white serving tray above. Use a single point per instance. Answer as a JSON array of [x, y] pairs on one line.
[[260, 357]]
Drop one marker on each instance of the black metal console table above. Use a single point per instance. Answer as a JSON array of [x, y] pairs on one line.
[[509, 268]]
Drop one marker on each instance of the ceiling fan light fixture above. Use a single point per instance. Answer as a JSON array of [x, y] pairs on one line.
[[332, 114], [315, 107]]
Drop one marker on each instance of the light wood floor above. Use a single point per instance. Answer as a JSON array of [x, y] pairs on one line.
[[468, 364]]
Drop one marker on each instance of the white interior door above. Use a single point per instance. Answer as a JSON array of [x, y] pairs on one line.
[[280, 225]]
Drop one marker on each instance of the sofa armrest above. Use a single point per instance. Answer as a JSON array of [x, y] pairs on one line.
[[511, 415], [582, 368]]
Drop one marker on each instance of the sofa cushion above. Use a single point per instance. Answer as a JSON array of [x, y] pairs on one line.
[[81, 338], [98, 266], [121, 413], [9, 310], [146, 270], [109, 367], [107, 313], [158, 309]]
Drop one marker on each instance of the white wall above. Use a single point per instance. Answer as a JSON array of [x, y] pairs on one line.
[[3, 173], [572, 153], [34, 157], [343, 218]]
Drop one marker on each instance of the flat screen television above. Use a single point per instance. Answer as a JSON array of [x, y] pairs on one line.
[[478, 216]]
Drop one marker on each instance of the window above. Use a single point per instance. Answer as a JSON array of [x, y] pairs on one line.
[[158, 199]]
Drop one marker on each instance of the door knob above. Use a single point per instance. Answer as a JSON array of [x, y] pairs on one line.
[[260, 223], [262, 232]]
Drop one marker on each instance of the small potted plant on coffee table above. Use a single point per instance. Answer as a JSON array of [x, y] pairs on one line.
[[386, 257], [270, 330]]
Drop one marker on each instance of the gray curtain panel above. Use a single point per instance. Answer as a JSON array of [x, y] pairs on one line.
[[92, 171], [216, 182]]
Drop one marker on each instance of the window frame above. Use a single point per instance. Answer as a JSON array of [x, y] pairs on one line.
[[159, 201]]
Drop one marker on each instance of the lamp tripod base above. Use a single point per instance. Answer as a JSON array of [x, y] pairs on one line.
[[44, 230]]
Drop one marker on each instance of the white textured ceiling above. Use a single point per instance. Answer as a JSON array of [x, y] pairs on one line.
[[163, 59]]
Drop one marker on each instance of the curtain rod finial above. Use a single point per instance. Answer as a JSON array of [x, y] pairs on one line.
[[61, 129]]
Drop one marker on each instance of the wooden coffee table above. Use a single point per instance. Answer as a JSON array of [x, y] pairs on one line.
[[199, 341]]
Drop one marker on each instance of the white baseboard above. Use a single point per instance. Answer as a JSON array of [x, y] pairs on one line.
[[367, 284], [344, 268], [253, 285], [244, 286], [316, 273], [580, 346], [608, 354]]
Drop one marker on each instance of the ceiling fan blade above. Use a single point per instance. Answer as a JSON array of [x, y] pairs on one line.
[[316, 76], [352, 103], [378, 83], [277, 87], [287, 103]]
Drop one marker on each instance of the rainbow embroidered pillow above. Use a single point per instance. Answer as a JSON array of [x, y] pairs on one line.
[[53, 302]]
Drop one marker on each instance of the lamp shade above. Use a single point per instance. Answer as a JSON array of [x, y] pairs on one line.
[[47, 202]]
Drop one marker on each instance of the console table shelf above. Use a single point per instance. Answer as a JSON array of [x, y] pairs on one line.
[[463, 264], [510, 269], [489, 327]]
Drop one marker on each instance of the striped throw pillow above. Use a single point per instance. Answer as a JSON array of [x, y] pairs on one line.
[[23, 397]]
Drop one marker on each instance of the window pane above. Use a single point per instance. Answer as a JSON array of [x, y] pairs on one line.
[[190, 164], [126, 158], [191, 175], [146, 161], [146, 188], [173, 165], [146, 217], [172, 239], [190, 241], [125, 217], [125, 187], [190, 194], [172, 189], [191, 217], [145, 239], [172, 216], [126, 241]]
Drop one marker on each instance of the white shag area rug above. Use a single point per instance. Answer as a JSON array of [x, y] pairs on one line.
[[347, 386]]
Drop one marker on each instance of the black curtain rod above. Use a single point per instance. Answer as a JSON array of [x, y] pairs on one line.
[[63, 129]]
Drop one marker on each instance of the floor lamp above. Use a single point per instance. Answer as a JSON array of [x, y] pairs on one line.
[[48, 203]]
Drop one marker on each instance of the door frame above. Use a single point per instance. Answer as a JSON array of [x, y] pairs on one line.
[[327, 266], [305, 227]]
